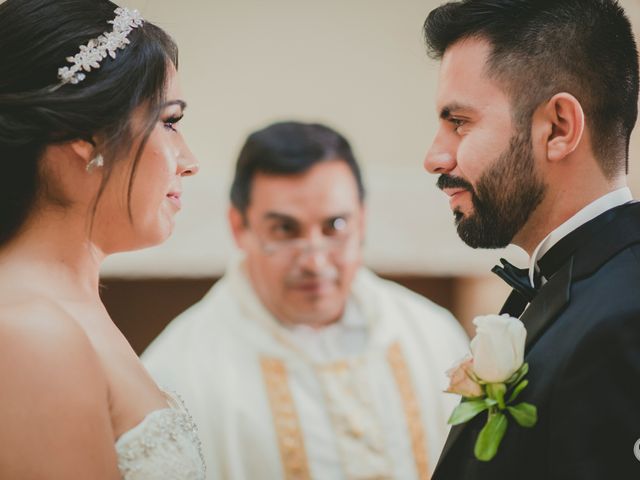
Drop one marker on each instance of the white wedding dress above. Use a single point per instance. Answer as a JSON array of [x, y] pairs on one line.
[[165, 445]]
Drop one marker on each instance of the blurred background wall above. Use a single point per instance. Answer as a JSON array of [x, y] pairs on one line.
[[357, 65]]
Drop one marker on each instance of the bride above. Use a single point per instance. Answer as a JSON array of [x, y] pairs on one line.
[[92, 162]]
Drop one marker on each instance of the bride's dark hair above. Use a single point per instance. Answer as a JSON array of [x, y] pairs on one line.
[[36, 37]]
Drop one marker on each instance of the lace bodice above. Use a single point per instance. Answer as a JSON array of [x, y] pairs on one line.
[[164, 445]]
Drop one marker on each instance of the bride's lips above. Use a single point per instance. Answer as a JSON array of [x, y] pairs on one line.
[[174, 197]]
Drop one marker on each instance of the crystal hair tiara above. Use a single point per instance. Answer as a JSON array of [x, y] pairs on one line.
[[97, 49]]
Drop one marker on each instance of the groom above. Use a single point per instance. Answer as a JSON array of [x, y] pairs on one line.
[[537, 100]]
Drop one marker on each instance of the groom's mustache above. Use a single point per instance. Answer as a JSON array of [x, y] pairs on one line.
[[447, 181]]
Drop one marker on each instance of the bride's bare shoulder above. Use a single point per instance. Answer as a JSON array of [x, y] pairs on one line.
[[54, 406], [42, 323], [40, 342]]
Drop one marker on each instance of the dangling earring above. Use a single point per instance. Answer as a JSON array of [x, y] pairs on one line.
[[97, 162]]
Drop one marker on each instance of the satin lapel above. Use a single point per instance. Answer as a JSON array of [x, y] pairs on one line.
[[549, 302], [514, 305]]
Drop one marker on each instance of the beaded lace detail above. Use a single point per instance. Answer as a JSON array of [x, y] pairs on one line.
[[164, 445]]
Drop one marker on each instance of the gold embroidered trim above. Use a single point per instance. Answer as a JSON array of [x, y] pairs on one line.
[[411, 409], [285, 418]]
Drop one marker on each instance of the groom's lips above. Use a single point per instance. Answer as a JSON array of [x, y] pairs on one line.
[[454, 194]]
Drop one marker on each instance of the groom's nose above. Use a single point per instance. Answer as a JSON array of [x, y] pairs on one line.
[[441, 156]]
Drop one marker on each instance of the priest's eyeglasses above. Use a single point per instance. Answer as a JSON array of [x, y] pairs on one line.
[[284, 240]]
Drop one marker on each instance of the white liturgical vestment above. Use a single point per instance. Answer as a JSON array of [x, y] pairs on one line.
[[360, 399]]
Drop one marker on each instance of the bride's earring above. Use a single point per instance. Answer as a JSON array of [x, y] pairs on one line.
[[97, 162]]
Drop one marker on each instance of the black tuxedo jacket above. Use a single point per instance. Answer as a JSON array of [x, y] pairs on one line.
[[583, 350]]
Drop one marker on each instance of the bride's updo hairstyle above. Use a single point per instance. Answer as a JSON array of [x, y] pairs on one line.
[[38, 109]]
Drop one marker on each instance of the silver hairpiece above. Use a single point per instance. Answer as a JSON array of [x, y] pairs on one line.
[[97, 49]]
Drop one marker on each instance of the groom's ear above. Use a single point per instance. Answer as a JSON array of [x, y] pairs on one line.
[[563, 123]]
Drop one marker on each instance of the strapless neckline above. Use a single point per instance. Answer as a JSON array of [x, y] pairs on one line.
[[173, 402], [164, 444]]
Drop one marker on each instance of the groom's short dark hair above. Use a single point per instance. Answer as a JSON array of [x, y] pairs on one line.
[[543, 47], [289, 148]]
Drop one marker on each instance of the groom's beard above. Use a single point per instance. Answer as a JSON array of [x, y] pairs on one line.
[[504, 198]]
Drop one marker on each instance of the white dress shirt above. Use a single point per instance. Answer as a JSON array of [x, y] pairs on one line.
[[591, 211]]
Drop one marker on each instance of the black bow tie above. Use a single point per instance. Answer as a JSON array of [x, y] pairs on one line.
[[518, 279]]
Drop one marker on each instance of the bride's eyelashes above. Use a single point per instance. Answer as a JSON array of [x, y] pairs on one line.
[[171, 122], [173, 111]]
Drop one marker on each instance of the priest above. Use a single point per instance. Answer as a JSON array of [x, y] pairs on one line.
[[300, 363]]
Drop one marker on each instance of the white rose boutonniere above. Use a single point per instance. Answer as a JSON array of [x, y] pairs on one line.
[[491, 379]]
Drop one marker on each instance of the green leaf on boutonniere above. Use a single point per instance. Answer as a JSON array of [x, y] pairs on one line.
[[516, 391], [524, 413], [490, 437], [496, 391], [519, 375], [490, 402], [467, 410]]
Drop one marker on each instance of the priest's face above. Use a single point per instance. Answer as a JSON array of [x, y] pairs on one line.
[[302, 236], [486, 162]]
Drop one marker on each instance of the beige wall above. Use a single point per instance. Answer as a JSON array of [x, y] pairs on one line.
[[358, 65]]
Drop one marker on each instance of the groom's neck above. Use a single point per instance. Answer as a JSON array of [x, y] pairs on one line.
[[558, 206]]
